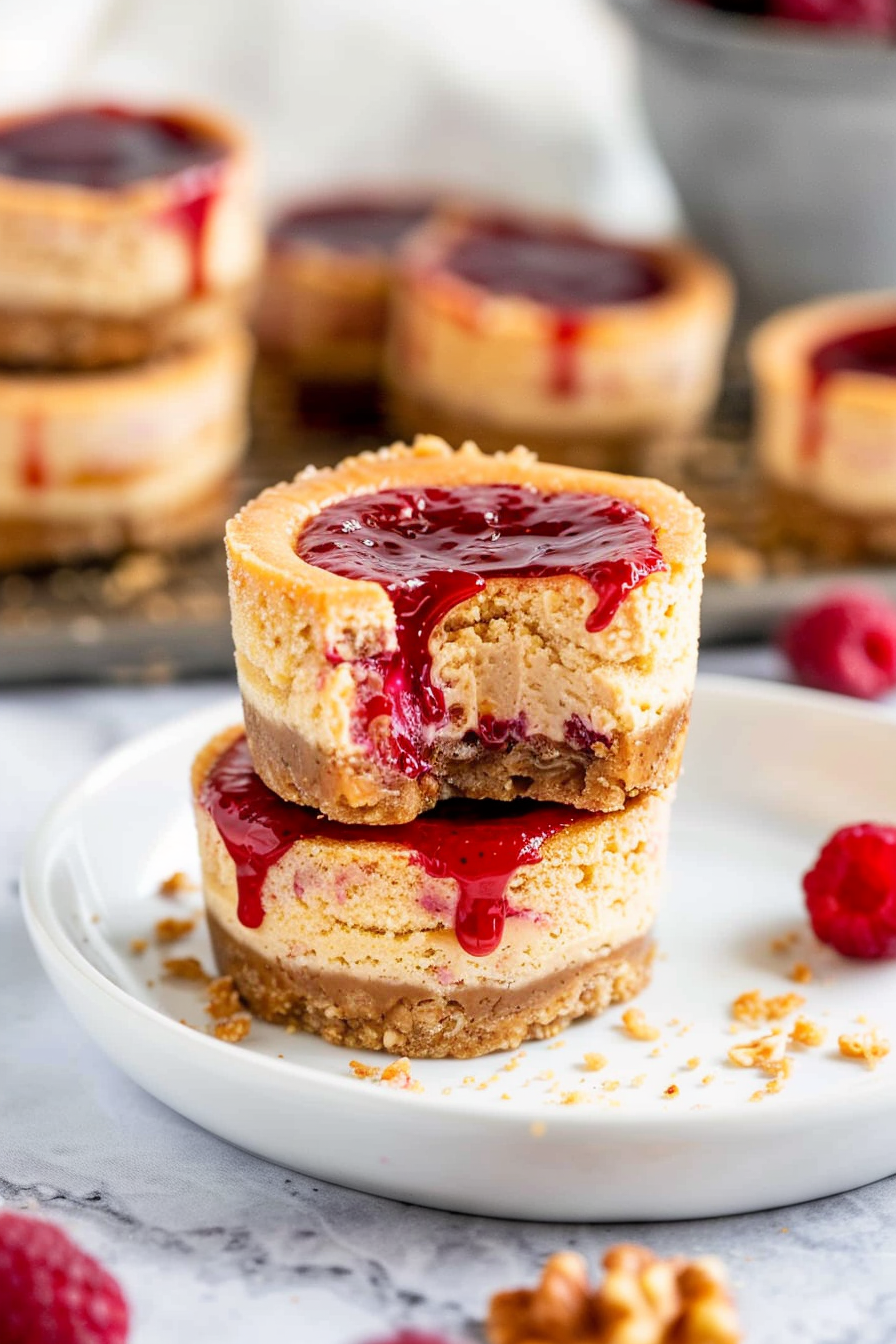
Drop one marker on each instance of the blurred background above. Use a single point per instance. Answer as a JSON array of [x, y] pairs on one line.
[[531, 101]]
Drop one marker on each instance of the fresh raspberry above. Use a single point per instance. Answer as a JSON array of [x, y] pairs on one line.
[[865, 16], [846, 643], [52, 1292], [851, 891]]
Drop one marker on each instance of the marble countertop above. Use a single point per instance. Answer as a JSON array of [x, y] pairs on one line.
[[216, 1246]]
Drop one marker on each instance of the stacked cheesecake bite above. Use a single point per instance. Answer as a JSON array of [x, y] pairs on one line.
[[466, 682], [129, 245]]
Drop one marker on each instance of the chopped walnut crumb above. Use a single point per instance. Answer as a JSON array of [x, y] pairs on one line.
[[176, 885], [637, 1026], [170, 930], [707, 1079], [233, 1029], [808, 1033], [363, 1070], [185, 968], [753, 1008], [573, 1098], [766, 1053], [594, 1062], [869, 1046], [223, 999], [642, 1300], [801, 973], [639, 1080], [610, 1085], [139, 946], [694, 1062], [672, 1090]]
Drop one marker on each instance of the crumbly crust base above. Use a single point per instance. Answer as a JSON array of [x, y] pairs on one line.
[[46, 339], [32, 543], [537, 768], [654, 452], [352, 1010], [795, 518]]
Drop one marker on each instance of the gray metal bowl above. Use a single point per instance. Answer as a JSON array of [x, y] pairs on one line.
[[782, 144]]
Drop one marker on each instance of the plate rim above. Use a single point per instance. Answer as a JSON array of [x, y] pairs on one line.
[[51, 941]]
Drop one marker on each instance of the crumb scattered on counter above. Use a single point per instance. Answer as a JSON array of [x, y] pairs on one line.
[[171, 930], [869, 1047], [177, 885], [635, 1024]]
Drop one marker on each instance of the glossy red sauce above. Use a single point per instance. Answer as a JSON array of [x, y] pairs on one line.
[[106, 148], [352, 226], [870, 351], [565, 270], [435, 547], [33, 460], [480, 846]]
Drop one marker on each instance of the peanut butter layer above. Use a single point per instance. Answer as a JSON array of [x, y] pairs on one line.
[[538, 768], [352, 1010]]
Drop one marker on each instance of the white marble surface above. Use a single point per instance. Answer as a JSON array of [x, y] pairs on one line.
[[214, 1245]]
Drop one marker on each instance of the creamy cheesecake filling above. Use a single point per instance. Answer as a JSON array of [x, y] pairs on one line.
[[433, 549], [478, 849]]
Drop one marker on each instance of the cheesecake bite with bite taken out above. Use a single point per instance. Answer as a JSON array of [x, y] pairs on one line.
[[469, 929], [420, 623]]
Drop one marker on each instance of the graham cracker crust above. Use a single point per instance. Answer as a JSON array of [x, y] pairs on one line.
[[827, 534], [48, 339], [352, 1010], [632, 453], [31, 543], [537, 768]]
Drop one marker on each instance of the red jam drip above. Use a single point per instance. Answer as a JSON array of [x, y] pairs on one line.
[[350, 226], [872, 351], [479, 846], [563, 269], [34, 463], [105, 148], [435, 547]]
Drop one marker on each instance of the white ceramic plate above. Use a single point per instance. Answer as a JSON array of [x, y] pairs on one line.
[[770, 772]]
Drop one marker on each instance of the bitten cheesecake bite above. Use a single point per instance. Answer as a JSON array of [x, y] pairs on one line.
[[419, 623], [825, 376], [93, 462], [588, 350], [471, 929], [123, 233]]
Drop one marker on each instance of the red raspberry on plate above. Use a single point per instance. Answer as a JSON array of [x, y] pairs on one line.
[[865, 16], [851, 891], [52, 1292], [845, 643]]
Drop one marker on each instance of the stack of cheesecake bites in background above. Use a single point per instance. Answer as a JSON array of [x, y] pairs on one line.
[[130, 243], [466, 683]]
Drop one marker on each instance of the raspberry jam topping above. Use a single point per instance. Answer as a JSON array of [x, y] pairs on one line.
[[105, 148], [871, 351], [435, 547], [564, 269], [479, 846], [350, 226], [559, 268], [851, 891]]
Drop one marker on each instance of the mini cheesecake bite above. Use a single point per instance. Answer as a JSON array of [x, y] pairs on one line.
[[471, 929], [825, 376], [591, 351], [420, 623], [326, 284], [123, 233], [141, 456]]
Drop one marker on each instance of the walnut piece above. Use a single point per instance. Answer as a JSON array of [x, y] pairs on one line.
[[642, 1300]]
